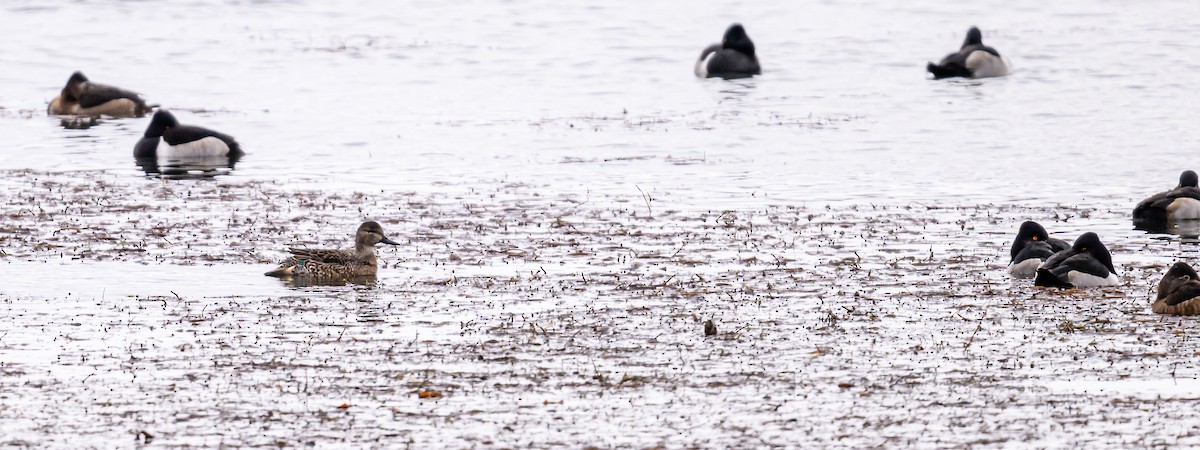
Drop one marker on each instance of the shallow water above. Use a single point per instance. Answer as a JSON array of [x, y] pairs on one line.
[[574, 204]]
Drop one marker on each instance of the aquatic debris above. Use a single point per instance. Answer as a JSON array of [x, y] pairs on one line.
[[79, 122], [429, 394]]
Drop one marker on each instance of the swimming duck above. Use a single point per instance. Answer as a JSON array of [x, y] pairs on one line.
[[973, 60], [356, 262], [733, 57], [1031, 247], [1181, 203], [166, 137], [1086, 264], [1178, 292], [83, 97]]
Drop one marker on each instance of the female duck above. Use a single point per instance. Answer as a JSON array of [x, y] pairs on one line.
[[1178, 292], [344, 263], [733, 57], [83, 97], [1031, 247], [973, 60], [1086, 264], [165, 137], [1181, 203]]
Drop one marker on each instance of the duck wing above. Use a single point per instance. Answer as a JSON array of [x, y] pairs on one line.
[[322, 256], [1082, 262], [1034, 249], [1058, 244], [1177, 290], [1056, 259], [185, 133], [968, 49], [98, 94], [1184, 192]]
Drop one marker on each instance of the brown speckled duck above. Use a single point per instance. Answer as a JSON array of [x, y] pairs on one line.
[[342, 263], [84, 98], [1178, 292]]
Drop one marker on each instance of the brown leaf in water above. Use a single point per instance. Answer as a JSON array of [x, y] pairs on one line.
[[429, 394]]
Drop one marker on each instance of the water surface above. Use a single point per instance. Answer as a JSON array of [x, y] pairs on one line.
[[574, 204]]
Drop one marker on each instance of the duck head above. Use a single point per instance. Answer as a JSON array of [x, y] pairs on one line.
[[369, 234], [74, 88], [159, 124], [1188, 179], [974, 37], [1089, 243], [1181, 270], [736, 39], [1030, 231]]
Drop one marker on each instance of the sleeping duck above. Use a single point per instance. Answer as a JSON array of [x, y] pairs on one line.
[[85, 98], [973, 60], [1178, 292], [733, 57], [1086, 264], [1032, 247], [165, 137], [1181, 203]]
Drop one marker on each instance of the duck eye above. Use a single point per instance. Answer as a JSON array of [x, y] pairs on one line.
[[1035, 238], [1084, 249]]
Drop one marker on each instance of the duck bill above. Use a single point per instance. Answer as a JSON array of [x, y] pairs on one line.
[[385, 240]]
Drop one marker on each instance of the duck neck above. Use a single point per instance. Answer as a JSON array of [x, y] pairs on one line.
[[363, 249]]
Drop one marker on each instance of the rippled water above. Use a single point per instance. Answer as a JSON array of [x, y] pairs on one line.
[[575, 204]]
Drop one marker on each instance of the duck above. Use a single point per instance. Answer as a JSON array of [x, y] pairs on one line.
[[165, 137], [1181, 203], [1178, 292], [82, 97], [733, 57], [359, 261], [973, 60], [1086, 264], [1031, 247]]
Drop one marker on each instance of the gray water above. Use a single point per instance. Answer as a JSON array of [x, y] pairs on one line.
[[574, 204]]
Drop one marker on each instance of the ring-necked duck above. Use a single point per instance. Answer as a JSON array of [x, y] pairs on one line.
[[1086, 264], [973, 60], [83, 97], [733, 57]]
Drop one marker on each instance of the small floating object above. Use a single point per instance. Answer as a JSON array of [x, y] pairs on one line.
[[733, 57], [1178, 292], [1031, 248], [82, 97], [359, 261], [429, 394], [710, 328], [973, 60], [1180, 203], [79, 123], [1086, 264]]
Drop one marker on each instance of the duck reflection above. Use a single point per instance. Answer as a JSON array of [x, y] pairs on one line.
[[367, 282], [187, 167], [1187, 230]]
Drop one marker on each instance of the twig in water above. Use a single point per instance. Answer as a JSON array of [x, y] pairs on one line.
[[645, 198], [681, 246]]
